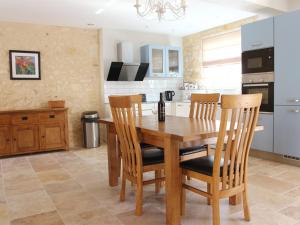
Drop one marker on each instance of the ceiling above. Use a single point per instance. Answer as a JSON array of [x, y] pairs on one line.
[[118, 14]]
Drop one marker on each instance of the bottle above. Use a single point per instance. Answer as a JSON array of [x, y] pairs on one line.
[[161, 108]]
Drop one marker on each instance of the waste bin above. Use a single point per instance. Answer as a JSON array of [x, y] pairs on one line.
[[90, 126]]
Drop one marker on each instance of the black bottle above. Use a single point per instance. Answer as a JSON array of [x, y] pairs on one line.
[[161, 108]]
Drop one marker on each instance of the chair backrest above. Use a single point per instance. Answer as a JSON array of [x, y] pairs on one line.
[[204, 106], [137, 104], [243, 111], [124, 120]]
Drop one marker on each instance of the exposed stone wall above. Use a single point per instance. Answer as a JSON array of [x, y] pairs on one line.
[[69, 69], [192, 48]]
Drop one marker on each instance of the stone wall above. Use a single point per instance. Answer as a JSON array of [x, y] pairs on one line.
[[69, 70], [192, 48]]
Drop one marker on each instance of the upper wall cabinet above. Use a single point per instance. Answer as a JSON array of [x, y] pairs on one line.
[[165, 61], [287, 55], [258, 35]]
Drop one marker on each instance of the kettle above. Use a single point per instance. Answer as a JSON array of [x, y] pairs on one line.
[[169, 95]]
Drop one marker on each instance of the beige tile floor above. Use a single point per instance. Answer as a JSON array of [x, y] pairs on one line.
[[71, 188]]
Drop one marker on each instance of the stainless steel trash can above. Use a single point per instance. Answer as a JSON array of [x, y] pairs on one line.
[[91, 137]]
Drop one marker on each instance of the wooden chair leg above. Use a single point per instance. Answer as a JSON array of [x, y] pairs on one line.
[[139, 198], [209, 190], [123, 188], [215, 201], [183, 196], [246, 205], [216, 210], [157, 183]]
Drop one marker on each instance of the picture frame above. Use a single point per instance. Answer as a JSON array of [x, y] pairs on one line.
[[24, 65]]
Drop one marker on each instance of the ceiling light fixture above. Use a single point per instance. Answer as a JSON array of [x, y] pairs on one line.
[[161, 8]]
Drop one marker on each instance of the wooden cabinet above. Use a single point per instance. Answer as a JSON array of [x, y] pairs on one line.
[[28, 131], [52, 136], [25, 138], [258, 35], [263, 140], [5, 140], [287, 54], [164, 61]]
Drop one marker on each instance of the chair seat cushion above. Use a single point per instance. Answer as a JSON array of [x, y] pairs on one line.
[[192, 150], [145, 145], [203, 165], [152, 156]]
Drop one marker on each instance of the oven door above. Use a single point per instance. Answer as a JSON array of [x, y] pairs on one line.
[[267, 90], [258, 61]]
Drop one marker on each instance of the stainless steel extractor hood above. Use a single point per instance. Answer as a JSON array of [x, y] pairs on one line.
[[120, 71]]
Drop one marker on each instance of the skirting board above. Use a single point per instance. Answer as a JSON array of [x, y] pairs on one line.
[[273, 157]]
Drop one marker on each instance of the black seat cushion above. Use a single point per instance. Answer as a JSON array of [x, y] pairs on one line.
[[192, 150], [145, 145], [152, 156], [203, 165]]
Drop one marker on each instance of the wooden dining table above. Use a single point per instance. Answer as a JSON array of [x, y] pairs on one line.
[[173, 133]]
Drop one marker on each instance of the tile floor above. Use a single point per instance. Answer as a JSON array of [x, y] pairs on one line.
[[71, 188]]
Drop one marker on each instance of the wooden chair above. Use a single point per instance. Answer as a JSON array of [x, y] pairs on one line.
[[134, 161], [227, 174], [203, 106]]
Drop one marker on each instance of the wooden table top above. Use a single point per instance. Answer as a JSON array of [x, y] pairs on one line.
[[180, 128]]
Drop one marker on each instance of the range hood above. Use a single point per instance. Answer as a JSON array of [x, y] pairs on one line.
[[120, 71], [124, 69]]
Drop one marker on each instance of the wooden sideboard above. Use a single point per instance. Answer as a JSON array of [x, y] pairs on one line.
[[29, 131]]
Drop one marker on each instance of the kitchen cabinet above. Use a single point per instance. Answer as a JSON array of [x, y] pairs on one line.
[[5, 140], [155, 55], [164, 61], [183, 109], [287, 55], [258, 35], [287, 130], [263, 140], [174, 63]]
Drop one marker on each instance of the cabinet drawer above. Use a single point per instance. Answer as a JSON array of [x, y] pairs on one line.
[[52, 116], [25, 118], [4, 119]]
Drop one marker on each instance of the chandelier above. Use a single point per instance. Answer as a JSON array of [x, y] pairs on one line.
[[161, 8]]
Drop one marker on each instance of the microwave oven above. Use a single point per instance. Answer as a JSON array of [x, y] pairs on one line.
[[258, 61]]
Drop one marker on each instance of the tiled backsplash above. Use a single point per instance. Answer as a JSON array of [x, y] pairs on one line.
[[151, 88]]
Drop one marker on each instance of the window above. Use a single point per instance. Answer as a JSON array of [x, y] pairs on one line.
[[222, 61]]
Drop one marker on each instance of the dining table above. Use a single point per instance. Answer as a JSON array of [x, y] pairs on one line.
[[170, 135]]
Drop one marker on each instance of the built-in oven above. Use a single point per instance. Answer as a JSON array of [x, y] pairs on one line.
[[258, 61], [260, 83]]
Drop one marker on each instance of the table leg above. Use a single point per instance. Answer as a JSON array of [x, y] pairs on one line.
[[173, 181], [112, 156], [235, 200]]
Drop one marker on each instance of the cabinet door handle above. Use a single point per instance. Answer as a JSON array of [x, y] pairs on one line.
[[24, 118], [51, 116], [296, 100], [295, 110], [256, 44]]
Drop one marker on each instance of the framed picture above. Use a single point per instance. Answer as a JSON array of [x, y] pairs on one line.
[[24, 65]]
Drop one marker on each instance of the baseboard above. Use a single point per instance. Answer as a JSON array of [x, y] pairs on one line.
[[273, 157]]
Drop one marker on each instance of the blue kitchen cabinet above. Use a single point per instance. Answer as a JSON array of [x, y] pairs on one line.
[[287, 130], [287, 59], [155, 55], [164, 61], [174, 62], [258, 35], [263, 140]]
